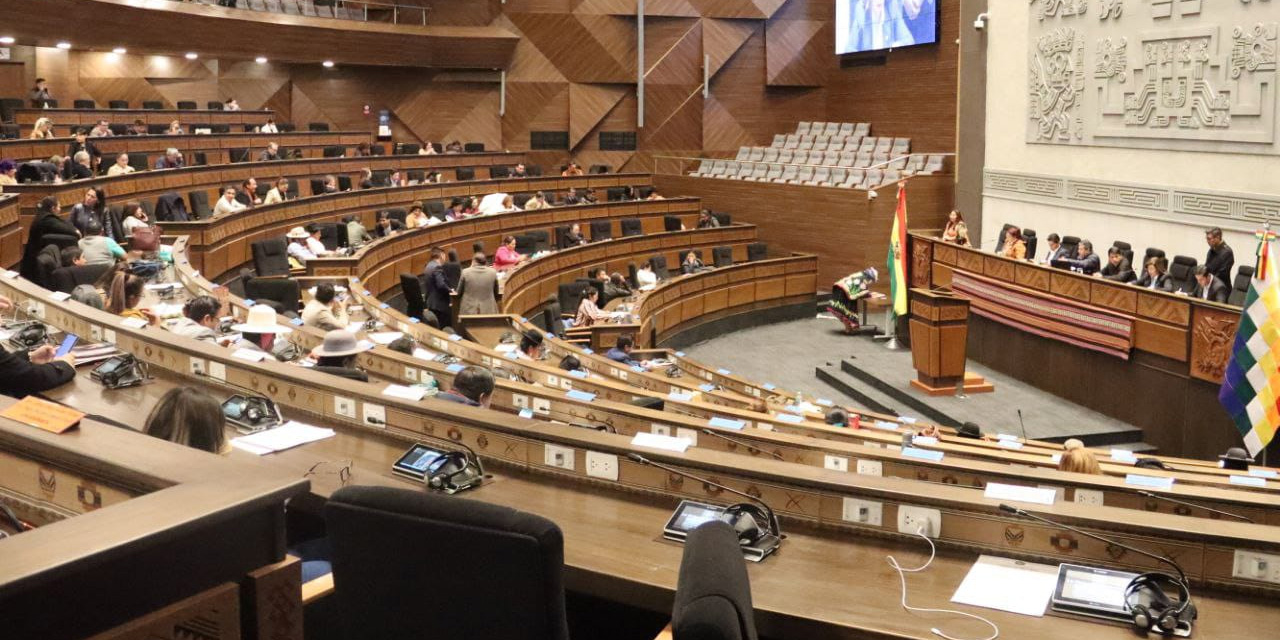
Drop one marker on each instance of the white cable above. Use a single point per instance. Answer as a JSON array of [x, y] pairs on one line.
[[902, 577]]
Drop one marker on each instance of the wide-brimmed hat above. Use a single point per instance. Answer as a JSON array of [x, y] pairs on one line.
[[339, 342], [1236, 454], [261, 319], [297, 232]]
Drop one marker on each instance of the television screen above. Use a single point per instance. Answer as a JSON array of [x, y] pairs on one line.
[[873, 25]]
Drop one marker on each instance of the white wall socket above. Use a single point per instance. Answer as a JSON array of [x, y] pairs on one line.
[[919, 520], [870, 468], [561, 457], [863, 512], [835, 463], [1252, 565], [1089, 496], [602, 465]]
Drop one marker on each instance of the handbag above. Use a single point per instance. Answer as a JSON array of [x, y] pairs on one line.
[[145, 239]]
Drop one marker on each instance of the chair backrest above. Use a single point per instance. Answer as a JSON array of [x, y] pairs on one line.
[[790, 172], [770, 155], [473, 147], [199, 201], [756, 154], [803, 128], [1152, 252], [631, 227], [838, 176], [285, 292], [722, 256], [600, 230], [757, 251], [152, 104], [1069, 243], [84, 104], [801, 156], [805, 174], [863, 159], [65, 279], [868, 144], [213, 105], [270, 257], [792, 142], [344, 183], [139, 161], [659, 265], [846, 129], [1182, 272], [1240, 286], [671, 223], [465, 173], [1029, 236], [8, 131], [786, 156], [569, 295], [822, 175], [117, 104], [499, 171], [760, 171], [779, 140], [713, 592], [317, 126], [171, 208], [774, 172], [831, 129]]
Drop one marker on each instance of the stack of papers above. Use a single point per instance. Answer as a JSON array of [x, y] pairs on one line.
[[1008, 585], [285, 436]]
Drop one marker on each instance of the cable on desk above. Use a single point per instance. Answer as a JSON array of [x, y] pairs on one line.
[[902, 577]]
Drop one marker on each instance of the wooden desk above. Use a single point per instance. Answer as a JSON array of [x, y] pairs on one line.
[[10, 231], [65, 120], [216, 147]]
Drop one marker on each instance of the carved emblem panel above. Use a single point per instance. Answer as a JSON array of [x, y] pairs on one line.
[[1164, 74]]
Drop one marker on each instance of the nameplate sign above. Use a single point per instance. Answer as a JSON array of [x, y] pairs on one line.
[[42, 414]]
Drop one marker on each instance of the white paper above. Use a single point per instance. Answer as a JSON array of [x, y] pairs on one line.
[[1008, 585], [285, 436], [655, 441], [1017, 493], [249, 354], [385, 337], [59, 296], [401, 391], [505, 347], [424, 354], [134, 323]]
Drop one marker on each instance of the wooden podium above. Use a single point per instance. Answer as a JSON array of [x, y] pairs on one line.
[[939, 333]]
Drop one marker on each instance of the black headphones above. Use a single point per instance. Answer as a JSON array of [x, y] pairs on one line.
[[749, 521], [452, 472], [30, 336], [1161, 613]]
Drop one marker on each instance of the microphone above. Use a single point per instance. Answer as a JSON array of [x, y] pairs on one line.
[[774, 528], [1023, 425], [742, 443], [1184, 503], [599, 426], [1159, 558]]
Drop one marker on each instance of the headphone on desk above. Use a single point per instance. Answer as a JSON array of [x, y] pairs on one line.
[[451, 472], [30, 336], [1161, 614], [749, 521]]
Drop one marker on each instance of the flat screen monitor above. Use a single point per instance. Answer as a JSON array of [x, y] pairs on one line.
[[876, 25]]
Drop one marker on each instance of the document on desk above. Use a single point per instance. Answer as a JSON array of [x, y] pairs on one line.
[[1008, 585], [285, 436]]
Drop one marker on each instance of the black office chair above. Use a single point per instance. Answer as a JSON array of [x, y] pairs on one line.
[[434, 208], [499, 171], [270, 257], [240, 154], [381, 177], [220, 128], [562, 236], [139, 161], [723, 218], [118, 129], [533, 170], [329, 235], [713, 592], [1125, 248], [631, 275], [188, 105], [318, 126], [405, 148], [344, 183], [414, 301], [473, 147], [213, 105], [1240, 286], [317, 186], [1029, 237], [48, 260], [525, 244], [521, 199], [333, 151], [551, 316], [757, 251], [286, 127], [659, 266], [541, 240], [171, 208], [263, 188], [378, 150], [199, 201], [722, 256], [452, 269], [465, 173], [8, 106], [1182, 273], [671, 223], [631, 227], [152, 104], [282, 294], [600, 230], [1152, 252], [65, 279], [598, 169], [1070, 244], [397, 213], [614, 194], [1004, 230], [9, 131], [117, 104], [415, 175], [569, 295], [84, 104], [47, 104]]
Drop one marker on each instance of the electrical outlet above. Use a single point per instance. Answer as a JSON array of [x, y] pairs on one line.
[[927, 522], [660, 429], [520, 400], [95, 333], [109, 336], [561, 457], [863, 512], [542, 405], [870, 468], [688, 434], [1089, 496], [602, 465], [1252, 565], [835, 463], [217, 371], [198, 366], [410, 374], [374, 414], [345, 407]]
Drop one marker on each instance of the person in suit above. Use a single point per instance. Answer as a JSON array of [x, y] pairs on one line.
[[572, 197], [23, 373], [473, 386], [478, 288], [1154, 275], [386, 226], [1117, 267], [573, 237], [1209, 287], [172, 159], [691, 264], [326, 310], [616, 287], [47, 222], [83, 143], [1086, 261], [81, 167], [1056, 252], [621, 352], [437, 288], [247, 195], [1220, 258]]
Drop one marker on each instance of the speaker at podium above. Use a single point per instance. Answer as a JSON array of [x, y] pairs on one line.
[[939, 327]]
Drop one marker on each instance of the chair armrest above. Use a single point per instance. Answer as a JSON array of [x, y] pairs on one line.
[[317, 588]]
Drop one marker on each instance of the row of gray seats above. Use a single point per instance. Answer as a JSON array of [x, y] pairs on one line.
[[847, 159], [846, 178], [331, 9], [918, 164], [884, 144], [844, 129]]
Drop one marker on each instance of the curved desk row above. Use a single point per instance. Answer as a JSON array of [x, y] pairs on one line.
[[64, 120], [218, 148], [808, 497], [10, 232]]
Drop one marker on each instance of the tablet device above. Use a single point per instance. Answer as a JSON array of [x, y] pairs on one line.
[[688, 516], [414, 462], [67, 343], [1092, 591]]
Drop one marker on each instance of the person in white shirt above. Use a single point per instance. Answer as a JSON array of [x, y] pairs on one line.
[[121, 166], [298, 245], [427, 149], [135, 217], [278, 193], [314, 244], [231, 105], [645, 277], [227, 203], [101, 130], [492, 203], [269, 127]]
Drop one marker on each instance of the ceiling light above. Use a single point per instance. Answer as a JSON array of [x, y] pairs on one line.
[[191, 55], [64, 45], [119, 51], [7, 40], [261, 59], [328, 64]]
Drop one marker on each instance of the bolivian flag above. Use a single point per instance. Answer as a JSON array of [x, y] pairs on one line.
[[897, 260]]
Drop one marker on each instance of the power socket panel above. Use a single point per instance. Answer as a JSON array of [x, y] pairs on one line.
[[602, 465], [555, 456], [927, 522], [1088, 496], [865, 512], [1253, 565]]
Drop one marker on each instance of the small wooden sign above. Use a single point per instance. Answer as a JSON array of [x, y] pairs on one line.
[[43, 414]]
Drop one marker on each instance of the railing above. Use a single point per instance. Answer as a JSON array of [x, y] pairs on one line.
[[340, 9], [911, 165]]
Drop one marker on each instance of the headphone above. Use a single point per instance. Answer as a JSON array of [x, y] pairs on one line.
[[1161, 614], [451, 472], [31, 336], [747, 520]]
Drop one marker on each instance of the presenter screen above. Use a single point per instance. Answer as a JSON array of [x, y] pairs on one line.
[[873, 25]]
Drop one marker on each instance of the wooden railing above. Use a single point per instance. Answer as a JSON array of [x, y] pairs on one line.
[[219, 148]]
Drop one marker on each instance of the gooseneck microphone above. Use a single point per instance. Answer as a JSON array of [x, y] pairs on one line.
[[1159, 558], [1022, 425], [774, 528], [742, 443], [1156, 496]]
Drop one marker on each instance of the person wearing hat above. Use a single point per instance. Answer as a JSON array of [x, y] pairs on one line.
[[259, 331], [531, 344], [1236, 459], [473, 386], [298, 249], [337, 355]]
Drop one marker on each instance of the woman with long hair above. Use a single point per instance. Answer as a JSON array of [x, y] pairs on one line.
[[956, 232], [189, 417], [124, 296]]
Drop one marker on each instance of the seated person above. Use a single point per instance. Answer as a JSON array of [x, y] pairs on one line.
[[538, 201], [571, 363], [571, 169], [199, 319], [1208, 286], [101, 130], [1055, 251], [956, 232], [573, 237], [326, 310], [356, 233], [707, 221], [1117, 267], [519, 171], [645, 277], [366, 178], [1014, 246], [248, 193], [589, 196], [386, 225], [190, 417], [416, 218], [227, 204], [80, 166], [531, 344], [298, 249], [621, 352], [507, 256], [838, 417], [330, 184], [138, 128], [231, 105], [259, 332], [337, 355], [314, 244], [172, 159], [1079, 460], [278, 193], [692, 264], [96, 248], [135, 217], [272, 152], [572, 197], [121, 167], [124, 295], [23, 373], [395, 179], [1154, 275], [654, 195], [588, 313], [473, 386], [456, 210], [73, 257], [175, 128], [1086, 261], [616, 287], [453, 147]]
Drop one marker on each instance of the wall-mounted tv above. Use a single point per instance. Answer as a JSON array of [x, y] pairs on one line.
[[876, 25]]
